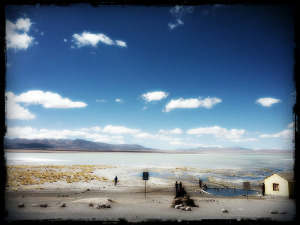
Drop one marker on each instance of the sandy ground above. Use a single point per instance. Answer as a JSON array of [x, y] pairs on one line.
[[128, 201]]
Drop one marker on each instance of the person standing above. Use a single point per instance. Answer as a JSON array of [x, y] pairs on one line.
[[263, 189], [180, 186], [176, 187], [116, 180], [200, 182]]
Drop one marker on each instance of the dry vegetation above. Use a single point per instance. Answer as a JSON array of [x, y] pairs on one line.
[[20, 175]]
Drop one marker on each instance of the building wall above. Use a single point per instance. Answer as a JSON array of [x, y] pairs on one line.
[[292, 189], [283, 186]]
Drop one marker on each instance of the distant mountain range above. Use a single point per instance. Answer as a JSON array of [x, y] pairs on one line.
[[66, 144], [83, 145]]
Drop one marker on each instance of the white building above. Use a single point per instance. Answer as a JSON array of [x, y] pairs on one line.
[[280, 184]]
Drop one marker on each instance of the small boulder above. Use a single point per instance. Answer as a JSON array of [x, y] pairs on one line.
[[35, 205], [182, 208], [281, 212], [63, 205], [188, 209], [177, 206], [97, 206], [44, 205], [21, 205], [273, 211], [177, 201], [107, 205], [91, 204], [224, 210]]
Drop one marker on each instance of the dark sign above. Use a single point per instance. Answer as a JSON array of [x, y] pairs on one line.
[[246, 186], [145, 175]]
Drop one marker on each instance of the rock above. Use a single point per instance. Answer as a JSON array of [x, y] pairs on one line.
[[103, 206], [63, 205], [224, 210], [281, 212], [21, 205], [273, 211], [110, 200], [177, 206], [88, 189], [107, 205], [188, 209], [91, 204], [182, 208], [177, 201], [188, 201], [44, 205], [35, 205], [97, 206]]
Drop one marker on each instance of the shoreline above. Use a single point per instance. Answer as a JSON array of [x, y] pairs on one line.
[[20, 177], [77, 186], [149, 151]]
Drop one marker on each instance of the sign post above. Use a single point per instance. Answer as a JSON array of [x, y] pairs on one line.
[[246, 187], [145, 178]]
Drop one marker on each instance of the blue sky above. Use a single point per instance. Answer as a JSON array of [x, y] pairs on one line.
[[163, 77]]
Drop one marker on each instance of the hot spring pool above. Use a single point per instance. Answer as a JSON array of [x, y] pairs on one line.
[[230, 192]]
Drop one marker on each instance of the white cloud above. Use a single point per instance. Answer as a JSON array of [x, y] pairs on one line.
[[282, 134], [145, 135], [155, 96], [121, 43], [233, 134], [119, 130], [90, 39], [119, 100], [267, 102], [14, 110], [244, 140], [23, 24], [174, 131], [65, 40], [178, 143], [17, 34], [179, 12], [48, 100], [192, 103], [101, 100], [175, 25]]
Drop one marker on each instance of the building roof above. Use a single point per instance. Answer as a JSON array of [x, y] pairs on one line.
[[288, 176]]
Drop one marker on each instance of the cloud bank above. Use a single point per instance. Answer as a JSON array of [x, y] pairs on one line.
[[282, 134], [218, 132]]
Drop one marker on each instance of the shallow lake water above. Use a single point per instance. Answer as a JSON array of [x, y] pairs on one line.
[[230, 192]]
